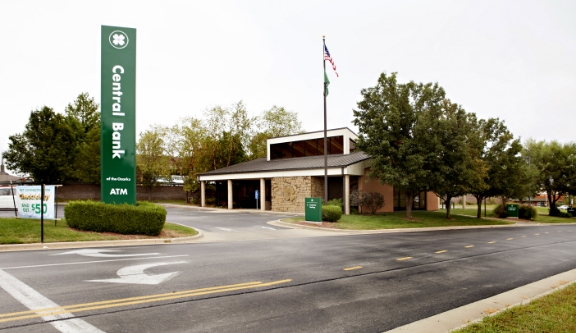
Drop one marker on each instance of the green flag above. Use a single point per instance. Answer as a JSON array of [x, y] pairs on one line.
[[326, 83]]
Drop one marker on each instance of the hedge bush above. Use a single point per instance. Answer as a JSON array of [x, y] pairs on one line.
[[372, 201], [335, 202], [527, 212], [331, 213], [498, 213], [146, 218], [564, 214]]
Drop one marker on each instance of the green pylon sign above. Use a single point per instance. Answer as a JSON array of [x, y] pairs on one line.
[[118, 115]]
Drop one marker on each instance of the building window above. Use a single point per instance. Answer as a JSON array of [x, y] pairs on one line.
[[419, 202], [313, 147]]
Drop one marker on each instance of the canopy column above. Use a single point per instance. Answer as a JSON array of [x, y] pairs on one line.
[[230, 205], [202, 194], [262, 194]]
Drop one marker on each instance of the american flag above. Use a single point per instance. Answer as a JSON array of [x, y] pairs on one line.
[[329, 58]]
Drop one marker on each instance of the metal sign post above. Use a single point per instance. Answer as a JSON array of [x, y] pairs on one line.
[[13, 200], [256, 195], [42, 214]]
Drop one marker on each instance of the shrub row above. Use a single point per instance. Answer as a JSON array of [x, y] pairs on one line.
[[525, 212], [146, 218], [331, 213], [500, 214]]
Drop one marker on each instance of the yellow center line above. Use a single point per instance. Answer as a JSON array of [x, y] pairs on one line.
[[468, 246], [509, 238], [441, 251], [546, 232], [133, 300], [352, 268], [536, 234], [405, 258], [68, 307], [523, 236], [492, 242]]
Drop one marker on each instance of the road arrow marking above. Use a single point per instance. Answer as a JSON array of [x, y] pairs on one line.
[[98, 253], [135, 274]]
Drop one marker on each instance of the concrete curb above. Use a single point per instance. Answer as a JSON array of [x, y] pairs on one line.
[[105, 243], [474, 312], [383, 231]]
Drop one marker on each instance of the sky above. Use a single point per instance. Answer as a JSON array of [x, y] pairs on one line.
[[515, 60]]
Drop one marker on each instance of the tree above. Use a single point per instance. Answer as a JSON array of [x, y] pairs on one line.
[[83, 117], [506, 175], [227, 131], [272, 123], [388, 120], [452, 137], [45, 150], [151, 159], [555, 164], [87, 161], [84, 110]]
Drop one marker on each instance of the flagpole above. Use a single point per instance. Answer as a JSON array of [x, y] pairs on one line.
[[325, 126]]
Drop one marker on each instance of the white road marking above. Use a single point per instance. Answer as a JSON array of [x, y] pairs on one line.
[[97, 253], [269, 228], [91, 262], [35, 301], [135, 274], [224, 229]]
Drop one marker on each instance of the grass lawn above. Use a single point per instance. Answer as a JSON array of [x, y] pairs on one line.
[[554, 313], [542, 214], [398, 220], [21, 231]]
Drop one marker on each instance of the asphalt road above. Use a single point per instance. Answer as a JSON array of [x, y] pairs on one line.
[[211, 220], [358, 283]]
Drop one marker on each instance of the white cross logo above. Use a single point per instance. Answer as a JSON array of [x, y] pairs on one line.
[[118, 39]]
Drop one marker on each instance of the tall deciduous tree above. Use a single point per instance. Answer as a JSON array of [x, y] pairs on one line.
[[83, 117], [227, 133], [507, 174], [45, 150], [151, 158], [272, 123], [555, 164], [387, 118], [84, 110], [453, 144]]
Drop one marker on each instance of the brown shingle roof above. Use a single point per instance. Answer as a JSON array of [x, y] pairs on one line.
[[299, 163]]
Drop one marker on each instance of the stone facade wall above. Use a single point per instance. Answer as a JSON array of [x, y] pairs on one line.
[[92, 192], [317, 187], [288, 193]]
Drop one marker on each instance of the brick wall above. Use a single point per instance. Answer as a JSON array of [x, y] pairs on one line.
[[367, 184], [92, 192]]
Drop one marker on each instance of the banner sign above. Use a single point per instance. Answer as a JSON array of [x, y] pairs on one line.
[[28, 201], [118, 115]]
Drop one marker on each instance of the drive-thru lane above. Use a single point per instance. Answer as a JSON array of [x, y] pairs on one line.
[[368, 283], [221, 220]]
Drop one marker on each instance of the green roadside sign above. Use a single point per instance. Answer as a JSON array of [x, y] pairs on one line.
[[118, 115], [313, 209], [512, 210]]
